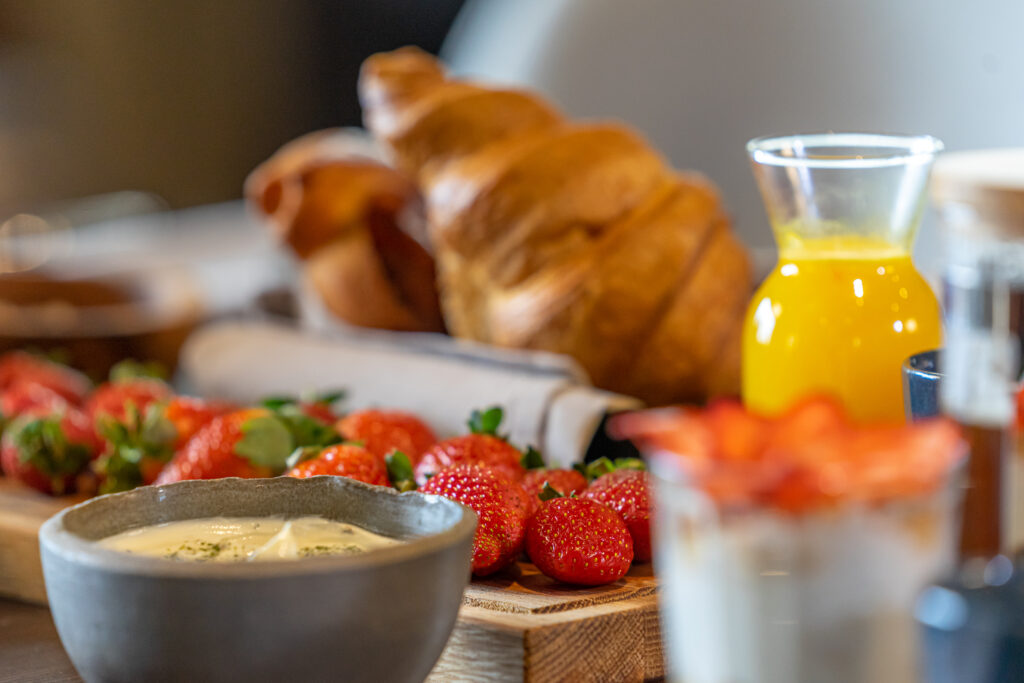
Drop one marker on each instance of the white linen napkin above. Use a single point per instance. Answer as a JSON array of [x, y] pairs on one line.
[[546, 399]]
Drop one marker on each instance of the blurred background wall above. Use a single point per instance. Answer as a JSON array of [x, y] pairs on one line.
[[180, 98], [701, 78], [183, 98]]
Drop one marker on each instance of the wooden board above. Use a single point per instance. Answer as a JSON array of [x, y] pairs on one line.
[[516, 626], [22, 512], [522, 626]]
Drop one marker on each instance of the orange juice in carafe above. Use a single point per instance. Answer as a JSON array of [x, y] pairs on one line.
[[844, 306], [838, 317]]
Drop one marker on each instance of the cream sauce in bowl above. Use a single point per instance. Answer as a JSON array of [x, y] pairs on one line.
[[247, 539]]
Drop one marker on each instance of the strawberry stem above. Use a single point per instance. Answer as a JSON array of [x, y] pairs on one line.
[[603, 466], [486, 421], [532, 459], [400, 471], [549, 492], [328, 398]]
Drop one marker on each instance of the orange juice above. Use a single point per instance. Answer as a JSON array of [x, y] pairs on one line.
[[837, 316]]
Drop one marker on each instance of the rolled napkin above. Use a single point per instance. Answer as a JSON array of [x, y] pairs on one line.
[[546, 399]]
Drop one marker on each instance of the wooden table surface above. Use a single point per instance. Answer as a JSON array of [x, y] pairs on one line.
[[30, 651]]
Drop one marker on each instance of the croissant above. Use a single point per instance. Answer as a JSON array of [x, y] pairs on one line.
[[571, 237], [354, 223]]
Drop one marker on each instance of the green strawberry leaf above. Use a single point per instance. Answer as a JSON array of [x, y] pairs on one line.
[[603, 466], [549, 492], [306, 430], [487, 421], [532, 459], [599, 467], [328, 398], [400, 471], [266, 441], [275, 403], [42, 444], [630, 464], [139, 436], [118, 472], [130, 369], [156, 432]]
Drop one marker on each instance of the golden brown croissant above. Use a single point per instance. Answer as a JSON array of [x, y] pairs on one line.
[[569, 237], [352, 221]]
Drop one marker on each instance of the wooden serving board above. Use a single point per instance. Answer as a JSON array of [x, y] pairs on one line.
[[22, 512], [522, 626], [518, 625]]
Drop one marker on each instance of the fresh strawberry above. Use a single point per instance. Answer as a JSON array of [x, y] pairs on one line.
[[112, 399], [247, 443], [18, 367], [344, 460], [566, 482], [384, 431], [48, 451], [627, 491], [23, 395], [188, 415], [580, 541], [140, 445], [482, 446], [498, 503]]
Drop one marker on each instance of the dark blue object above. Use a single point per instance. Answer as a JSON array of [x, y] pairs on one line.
[[972, 626], [921, 385]]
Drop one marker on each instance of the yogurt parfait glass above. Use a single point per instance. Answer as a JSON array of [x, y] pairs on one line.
[[796, 567]]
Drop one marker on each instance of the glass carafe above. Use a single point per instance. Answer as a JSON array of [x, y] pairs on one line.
[[844, 306]]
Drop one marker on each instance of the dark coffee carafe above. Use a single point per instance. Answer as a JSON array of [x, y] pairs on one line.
[[973, 622]]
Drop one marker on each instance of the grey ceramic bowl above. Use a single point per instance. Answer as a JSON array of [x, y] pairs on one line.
[[382, 616]]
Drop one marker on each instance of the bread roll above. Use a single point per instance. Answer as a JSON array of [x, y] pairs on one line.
[[356, 224]]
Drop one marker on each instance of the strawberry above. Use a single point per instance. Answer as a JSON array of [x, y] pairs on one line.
[[23, 395], [566, 482], [141, 444], [482, 446], [113, 398], [188, 414], [48, 451], [21, 367], [580, 541], [627, 491], [498, 503], [384, 431], [248, 443], [344, 460]]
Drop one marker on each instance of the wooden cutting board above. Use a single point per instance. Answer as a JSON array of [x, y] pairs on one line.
[[522, 626], [518, 625], [22, 512]]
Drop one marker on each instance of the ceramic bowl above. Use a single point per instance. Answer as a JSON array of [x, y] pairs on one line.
[[381, 616], [921, 379]]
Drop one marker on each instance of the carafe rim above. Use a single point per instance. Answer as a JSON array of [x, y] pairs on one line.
[[847, 150]]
